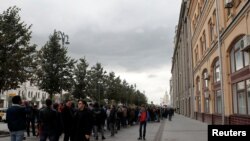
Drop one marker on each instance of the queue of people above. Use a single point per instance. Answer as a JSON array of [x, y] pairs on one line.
[[77, 123]]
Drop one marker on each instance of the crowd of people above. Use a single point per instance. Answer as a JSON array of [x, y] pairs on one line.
[[78, 123]]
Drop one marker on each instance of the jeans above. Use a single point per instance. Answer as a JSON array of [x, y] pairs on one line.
[[17, 135], [144, 124], [96, 127]]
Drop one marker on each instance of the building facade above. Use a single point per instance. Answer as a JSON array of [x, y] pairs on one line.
[[219, 39], [28, 91], [182, 78]]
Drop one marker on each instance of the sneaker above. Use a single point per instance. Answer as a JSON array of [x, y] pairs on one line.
[[139, 138], [144, 138]]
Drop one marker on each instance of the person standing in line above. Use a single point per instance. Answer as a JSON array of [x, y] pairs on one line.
[[112, 120], [67, 118], [143, 122], [48, 120], [83, 122], [16, 119]]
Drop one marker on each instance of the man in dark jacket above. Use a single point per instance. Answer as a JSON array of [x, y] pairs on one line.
[[99, 116], [16, 119], [83, 122], [67, 118], [48, 121]]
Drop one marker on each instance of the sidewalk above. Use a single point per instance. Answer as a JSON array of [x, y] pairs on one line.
[[179, 129], [182, 128]]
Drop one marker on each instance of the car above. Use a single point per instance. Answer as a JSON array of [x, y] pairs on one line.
[[3, 114]]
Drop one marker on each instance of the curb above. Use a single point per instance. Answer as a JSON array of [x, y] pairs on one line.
[[4, 134]]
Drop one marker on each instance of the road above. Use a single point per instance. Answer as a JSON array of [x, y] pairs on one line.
[[179, 129]]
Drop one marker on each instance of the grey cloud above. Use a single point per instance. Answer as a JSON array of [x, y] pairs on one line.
[[130, 49]]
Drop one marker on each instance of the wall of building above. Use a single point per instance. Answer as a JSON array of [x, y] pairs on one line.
[[205, 51]]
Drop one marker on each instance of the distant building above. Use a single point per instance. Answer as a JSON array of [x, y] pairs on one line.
[[166, 100], [28, 91], [171, 92]]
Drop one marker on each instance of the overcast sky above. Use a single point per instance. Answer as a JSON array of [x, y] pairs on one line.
[[133, 38]]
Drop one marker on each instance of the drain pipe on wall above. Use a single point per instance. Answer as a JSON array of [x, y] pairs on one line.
[[220, 61]]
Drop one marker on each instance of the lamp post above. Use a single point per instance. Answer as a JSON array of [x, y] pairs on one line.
[[220, 59], [99, 95], [63, 36]]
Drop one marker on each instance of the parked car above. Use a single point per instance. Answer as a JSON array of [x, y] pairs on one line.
[[3, 114]]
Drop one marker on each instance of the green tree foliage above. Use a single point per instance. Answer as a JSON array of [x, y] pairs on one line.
[[55, 68], [80, 74], [96, 82], [16, 53], [114, 87]]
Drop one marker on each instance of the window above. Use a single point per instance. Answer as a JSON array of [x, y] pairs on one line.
[[196, 55], [206, 90], [217, 72], [201, 44], [205, 80], [241, 97], [211, 30], [199, 104], [198, 96], [248, 96], [218, 102], [228, 12], [238, 58], [214, 22], [198, 86], [207, 105], [204, 42]]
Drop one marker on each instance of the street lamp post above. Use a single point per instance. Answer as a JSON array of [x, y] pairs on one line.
[[99, 95], [63, 36]]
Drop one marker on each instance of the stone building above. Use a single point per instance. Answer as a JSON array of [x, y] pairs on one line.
[[220, 39]]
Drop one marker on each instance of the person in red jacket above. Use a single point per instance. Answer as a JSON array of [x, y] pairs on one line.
[[142, 117]]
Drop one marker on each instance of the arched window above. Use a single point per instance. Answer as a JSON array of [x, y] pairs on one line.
[[241, 86]]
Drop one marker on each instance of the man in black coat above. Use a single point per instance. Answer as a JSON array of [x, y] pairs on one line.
[[83, 122], [48, 121], [16, 119], [67, 118]]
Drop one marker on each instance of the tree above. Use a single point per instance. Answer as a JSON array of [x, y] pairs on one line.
[[16, 54], [96, 82], [80, 74], [55, 68], [114, 89]]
